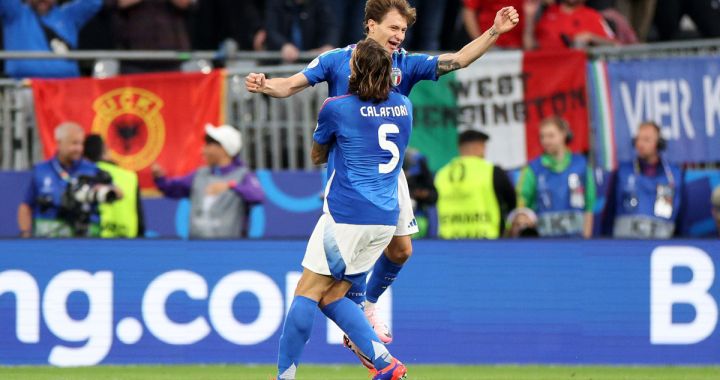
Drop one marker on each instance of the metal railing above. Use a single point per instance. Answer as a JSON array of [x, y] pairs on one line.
[[657, 50], [19, 140], [277, 133]]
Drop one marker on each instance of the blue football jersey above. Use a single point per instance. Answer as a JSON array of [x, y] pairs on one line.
[[333, 67], [367, 146]]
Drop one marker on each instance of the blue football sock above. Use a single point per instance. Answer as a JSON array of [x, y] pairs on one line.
[[296, 332], [384, 274], [352, 321], [357, 291]]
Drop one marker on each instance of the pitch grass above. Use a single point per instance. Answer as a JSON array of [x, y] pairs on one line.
[[329, 372]]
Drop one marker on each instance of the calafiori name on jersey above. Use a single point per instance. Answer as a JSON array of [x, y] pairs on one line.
[[395, 111]]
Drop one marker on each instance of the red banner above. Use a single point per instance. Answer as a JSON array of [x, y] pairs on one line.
[[555, 84], [143, 118]]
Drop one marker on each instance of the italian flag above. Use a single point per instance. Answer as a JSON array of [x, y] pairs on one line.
[[504, 94]]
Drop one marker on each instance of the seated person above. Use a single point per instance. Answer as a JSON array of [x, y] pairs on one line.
[[644, 199], [522, 223]]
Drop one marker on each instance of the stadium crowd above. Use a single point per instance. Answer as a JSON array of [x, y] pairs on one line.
[[292, 26], [554, 196]]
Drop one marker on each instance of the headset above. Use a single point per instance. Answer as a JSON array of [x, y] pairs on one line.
[[661, 142], [562, 124]]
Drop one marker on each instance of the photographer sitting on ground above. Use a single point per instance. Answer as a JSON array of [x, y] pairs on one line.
[[65, 190]]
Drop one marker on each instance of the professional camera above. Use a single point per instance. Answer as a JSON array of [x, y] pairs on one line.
[[80, 199], [92, 189]]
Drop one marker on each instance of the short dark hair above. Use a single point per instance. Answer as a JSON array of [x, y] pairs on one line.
[[93, 147], [210, 140], [371, 74], [472, 136]]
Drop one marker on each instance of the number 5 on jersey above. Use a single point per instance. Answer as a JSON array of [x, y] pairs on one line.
[[389, 146]]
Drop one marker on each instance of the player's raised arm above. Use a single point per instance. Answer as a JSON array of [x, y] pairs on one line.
[[276, 87], [505, 20]]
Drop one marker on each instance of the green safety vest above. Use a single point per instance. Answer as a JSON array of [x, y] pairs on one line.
[[467, 206], [120, 218]]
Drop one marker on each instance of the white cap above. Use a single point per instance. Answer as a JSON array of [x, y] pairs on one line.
[[228, 137], [522, 210]]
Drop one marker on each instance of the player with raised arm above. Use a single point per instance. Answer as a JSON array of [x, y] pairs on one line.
[[386, 22], [362, 136]]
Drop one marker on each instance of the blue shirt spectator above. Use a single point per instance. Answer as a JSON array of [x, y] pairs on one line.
[[41, 25], [48, 210]]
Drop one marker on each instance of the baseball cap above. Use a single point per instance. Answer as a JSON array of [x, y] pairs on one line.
[[715, 199], [228, 137]]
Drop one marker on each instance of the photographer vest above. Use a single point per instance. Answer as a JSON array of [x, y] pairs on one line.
[[216, 216], [560, 197], [646, 207], [49, 187], [120, 218], [467, 205]]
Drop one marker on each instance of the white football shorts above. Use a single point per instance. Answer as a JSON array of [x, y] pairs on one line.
[[339, 249], [406, 224]]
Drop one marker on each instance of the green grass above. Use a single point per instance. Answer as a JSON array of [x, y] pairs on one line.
[[308, 372]]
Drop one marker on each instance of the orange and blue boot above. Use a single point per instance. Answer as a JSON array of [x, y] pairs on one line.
[[394, 371]]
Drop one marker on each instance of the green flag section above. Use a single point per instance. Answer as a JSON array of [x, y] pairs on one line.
[[435, 120]]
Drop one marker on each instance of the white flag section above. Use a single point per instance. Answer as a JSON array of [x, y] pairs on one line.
[[490, 95]]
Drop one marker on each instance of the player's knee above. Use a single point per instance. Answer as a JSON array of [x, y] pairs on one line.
[[336, 292], [399, 253]]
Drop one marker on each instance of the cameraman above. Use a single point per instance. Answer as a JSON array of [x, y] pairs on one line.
[[124, 218], [56, 202]]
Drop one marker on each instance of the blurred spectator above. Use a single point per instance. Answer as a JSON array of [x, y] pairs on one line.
[[41, 25], [473, 194], [151, 25], [97, 34], [715, 201], [124, 218], [422, 190], [300, 25], [644, 196], [425, 35], [64, 191], [637, 15], [522, 223], [479, 15], [350, 15], [239, 21], [704, 14], [221, 192], [559, 185], [571, 24], [618, 21]]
